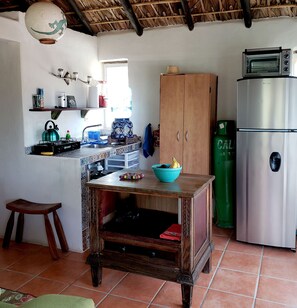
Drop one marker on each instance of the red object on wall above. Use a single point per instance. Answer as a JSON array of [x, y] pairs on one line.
[[102, 101]]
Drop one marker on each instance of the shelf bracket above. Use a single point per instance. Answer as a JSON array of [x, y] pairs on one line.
[[67, 78], [55, 114], [83, 113]]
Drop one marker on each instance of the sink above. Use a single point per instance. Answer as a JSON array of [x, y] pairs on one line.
[[95, 145]]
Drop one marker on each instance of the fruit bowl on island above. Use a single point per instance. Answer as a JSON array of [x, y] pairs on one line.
[[164, 173]]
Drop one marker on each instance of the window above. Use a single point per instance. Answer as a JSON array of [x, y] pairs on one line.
[[117, 91]]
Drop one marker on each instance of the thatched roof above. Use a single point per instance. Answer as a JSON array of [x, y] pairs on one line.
[[100, 16]]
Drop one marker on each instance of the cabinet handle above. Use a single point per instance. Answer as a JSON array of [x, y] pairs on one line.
[[177, 136], [186, 136], [152, 254]]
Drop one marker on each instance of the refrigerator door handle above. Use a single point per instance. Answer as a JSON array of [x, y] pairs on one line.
[[275, 161]]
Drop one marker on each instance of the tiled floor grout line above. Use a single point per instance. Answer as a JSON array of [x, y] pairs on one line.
[[239, 271], [156, 294], [278, 303], [118, 283], [125, 297], [215, 272], [91, 289], [228, 292], [108, 293], [33, 277], [279, 278], [258, 278], [245, 253]]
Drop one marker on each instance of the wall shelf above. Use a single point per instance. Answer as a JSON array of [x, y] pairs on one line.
[[55, 112]]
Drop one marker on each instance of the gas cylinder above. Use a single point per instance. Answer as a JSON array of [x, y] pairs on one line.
[[224, 163]]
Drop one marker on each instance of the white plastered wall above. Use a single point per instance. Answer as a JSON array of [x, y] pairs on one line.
[[210, 47], [25, 65]]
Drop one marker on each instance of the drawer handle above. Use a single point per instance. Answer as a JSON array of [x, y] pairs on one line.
[[186, 136], [123, 248], [177, 136], [152, 254]]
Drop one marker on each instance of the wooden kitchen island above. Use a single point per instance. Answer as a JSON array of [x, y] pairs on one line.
[[128, 216]]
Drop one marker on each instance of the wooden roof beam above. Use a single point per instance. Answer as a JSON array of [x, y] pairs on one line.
[[132, 17], [247, 16], [187, 12], [81, 16], [23, 5]]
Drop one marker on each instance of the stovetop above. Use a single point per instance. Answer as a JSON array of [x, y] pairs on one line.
[[55, 147]]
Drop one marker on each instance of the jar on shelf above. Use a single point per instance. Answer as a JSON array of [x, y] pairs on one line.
[[122, 128]]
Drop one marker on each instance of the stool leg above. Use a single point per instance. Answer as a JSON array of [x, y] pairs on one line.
[[50, 238], [60, 232], [8, 231], [20, 228]]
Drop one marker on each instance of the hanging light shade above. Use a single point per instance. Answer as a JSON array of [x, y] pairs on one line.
[[46, 22]]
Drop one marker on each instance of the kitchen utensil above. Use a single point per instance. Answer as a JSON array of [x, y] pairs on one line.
[[62, 100], [51, 133]]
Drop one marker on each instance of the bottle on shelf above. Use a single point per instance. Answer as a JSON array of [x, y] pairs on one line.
[[68, 136]]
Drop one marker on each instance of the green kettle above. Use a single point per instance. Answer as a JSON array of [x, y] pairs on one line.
[[50, 134]]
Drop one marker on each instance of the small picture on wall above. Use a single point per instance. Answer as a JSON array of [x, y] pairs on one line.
[[71, 103]]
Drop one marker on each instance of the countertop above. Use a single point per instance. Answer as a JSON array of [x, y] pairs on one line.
[[187, 185], [88, 155], [86, 152]]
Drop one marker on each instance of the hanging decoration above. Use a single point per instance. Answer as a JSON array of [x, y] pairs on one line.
[[45, 21]]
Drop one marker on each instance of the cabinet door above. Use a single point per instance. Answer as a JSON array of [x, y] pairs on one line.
[[172, 96], [198, 114]]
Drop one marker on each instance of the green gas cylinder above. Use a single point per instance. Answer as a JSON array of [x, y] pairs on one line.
[[224, 163]]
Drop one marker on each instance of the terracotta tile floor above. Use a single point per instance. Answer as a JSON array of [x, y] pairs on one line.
[[242, 275]]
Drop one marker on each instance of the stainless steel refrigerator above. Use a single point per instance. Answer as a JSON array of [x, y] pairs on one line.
[[266, 161]]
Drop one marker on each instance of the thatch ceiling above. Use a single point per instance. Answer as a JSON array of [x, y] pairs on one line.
[[100, 16]]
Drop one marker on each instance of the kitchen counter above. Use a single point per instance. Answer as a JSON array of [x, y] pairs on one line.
[[62, 178], [89, 155], [84, 152]]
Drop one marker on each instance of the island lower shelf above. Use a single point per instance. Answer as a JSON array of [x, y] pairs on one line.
[[136, 234], [140, 250]]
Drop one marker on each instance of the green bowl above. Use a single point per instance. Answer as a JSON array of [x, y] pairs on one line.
[[166, 175]]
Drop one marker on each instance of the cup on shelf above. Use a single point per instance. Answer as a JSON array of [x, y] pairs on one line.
[[62, 100], [38, 101]]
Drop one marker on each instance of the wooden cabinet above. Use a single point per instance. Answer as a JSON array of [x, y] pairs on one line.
[[187, 120], [127, 218]]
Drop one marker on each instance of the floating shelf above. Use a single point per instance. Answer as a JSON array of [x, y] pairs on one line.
[[55, 112]]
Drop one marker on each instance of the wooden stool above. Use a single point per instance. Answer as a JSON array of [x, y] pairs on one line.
[[26, 207]]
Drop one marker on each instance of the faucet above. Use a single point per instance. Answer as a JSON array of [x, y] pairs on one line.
[[83, 132]]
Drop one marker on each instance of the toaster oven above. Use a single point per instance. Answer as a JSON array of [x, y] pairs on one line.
[[266, 62]]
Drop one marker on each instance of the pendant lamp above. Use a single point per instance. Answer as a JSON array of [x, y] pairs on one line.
[[45, 21]]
